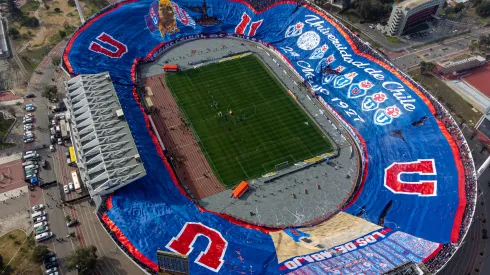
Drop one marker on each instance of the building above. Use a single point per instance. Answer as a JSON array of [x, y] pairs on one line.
[[4, 48], [448, 67], [409, 13], [106, 155]]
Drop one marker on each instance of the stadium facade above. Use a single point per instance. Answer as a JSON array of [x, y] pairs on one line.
[[409, 13], [397, 126], [107, 158]]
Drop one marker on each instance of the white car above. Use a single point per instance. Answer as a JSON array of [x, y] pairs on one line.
[[30, 109], [36, 225], [65, 188], [60, 142], [51, 148], [51, 270], [44, 236], [38, 207], [27, 120], [28, 140], [40, 219], [27, 127], [71, 186]]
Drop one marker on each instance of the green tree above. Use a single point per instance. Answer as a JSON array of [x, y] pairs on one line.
[[483, 9], [459, 7], [372, 10], [39, 252], [14, 33], [15, 12], [31, 22], [56, 60], [71, 3], [50, 92], [62, 33], [68, 218], [427, 68], [83, 260]]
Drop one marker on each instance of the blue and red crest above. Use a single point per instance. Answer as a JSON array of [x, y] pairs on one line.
[[152, 17], [369, 104], [182, 16]]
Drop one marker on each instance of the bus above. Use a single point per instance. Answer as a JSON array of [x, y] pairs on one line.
[[73, 157], [64, 133], [76, 182]]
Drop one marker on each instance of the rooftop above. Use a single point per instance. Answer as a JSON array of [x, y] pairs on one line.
[[410, 4], [107, 156]]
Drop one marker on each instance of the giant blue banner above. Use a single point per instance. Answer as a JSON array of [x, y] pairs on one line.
[[412, 166]]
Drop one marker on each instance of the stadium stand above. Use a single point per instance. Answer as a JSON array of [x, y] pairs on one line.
[[399, 246]]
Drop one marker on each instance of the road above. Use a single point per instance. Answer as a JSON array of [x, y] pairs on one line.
[[437, 51]]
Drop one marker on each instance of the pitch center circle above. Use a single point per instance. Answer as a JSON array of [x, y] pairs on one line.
[[242, 108]]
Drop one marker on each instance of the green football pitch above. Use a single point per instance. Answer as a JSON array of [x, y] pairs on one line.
[[266, 130]]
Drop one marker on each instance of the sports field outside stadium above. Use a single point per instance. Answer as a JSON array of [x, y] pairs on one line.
[[265, 130]]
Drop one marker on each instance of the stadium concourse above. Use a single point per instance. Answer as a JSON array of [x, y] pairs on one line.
[[416, 197]]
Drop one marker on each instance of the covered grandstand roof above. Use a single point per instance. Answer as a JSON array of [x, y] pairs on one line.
[[107, 155]]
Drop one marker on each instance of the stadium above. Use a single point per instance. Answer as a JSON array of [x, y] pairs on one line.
[[353, 167]]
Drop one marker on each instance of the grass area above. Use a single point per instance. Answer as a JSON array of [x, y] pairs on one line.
[[352, 15], [32, 57], [392, 39], [4, 127], [472, 13], [267, 126], [461, 57], [92, 6], [452, 100], [30, 5], [16, 248]]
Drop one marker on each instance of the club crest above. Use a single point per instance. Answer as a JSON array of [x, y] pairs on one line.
[[324, 63], [344, 80], [164, 15], [328, 78], [369, 104], [294, 30], [393, 111], [356, 91], [379, 97], [318, 53], [381, 118]]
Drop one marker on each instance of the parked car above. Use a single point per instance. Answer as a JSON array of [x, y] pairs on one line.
[[40, 219], [53, 139], [27, 126], [48, 259], [27, 120], [51, 148], [28, 140], [72, 223], [60, 142], [31, 172], [50, 265], [51, 270], [44, 163], [38, 207], [36, 225], [71, 186], [44, 236], [65, 188], [41, 229], [30, 95]]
